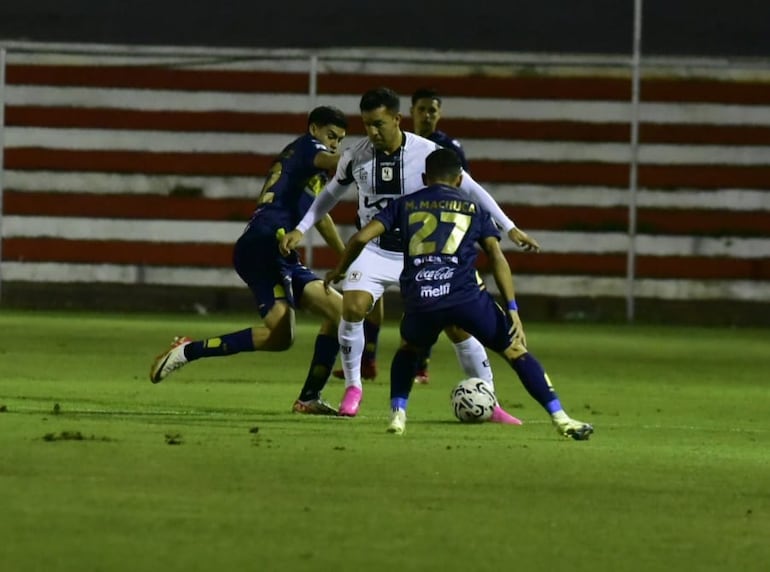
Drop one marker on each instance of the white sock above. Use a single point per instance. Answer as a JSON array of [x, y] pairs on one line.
[[351, 338], [560, 416], [474, 360]]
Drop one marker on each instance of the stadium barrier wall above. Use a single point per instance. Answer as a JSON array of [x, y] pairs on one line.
[[137, 168]]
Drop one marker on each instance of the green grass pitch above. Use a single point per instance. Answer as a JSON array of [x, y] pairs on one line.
[[101, 470]]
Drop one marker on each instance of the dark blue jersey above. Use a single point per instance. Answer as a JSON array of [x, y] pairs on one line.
[[447, 142], [440, 227], [290, 187]]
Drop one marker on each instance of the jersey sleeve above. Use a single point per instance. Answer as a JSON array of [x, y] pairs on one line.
[[487, 226], [389, 215], [344, 175], [458, 148], [486, 202], [330, 195], [312, 147]]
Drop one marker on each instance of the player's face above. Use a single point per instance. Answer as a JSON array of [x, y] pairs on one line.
[[425, 115], [383, 128], [329, 135]]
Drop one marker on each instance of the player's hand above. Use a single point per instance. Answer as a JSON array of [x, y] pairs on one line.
[[289, 242], [522, 239], [332, 276], [517, 330]]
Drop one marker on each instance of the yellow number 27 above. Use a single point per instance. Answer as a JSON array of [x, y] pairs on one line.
[[420, 243]]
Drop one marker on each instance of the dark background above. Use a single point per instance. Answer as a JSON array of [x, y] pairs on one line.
[[738, 28]]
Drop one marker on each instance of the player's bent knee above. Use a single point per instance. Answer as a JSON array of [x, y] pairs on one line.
[[356, 305], [282, 344], [279, 316], [278, 333], [278, 338], [281, 338]]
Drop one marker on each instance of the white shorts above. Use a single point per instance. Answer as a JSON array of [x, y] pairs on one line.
[[374, 270]]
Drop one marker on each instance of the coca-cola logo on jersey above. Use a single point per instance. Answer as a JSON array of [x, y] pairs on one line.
[[429, 274]]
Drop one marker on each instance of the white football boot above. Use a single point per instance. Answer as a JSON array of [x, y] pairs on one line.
[[169, 361]]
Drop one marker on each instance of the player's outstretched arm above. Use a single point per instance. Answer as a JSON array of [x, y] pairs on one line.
[[502, 274], [500, 268], [320, 207], [322, 204], [326, 160], [354, 247], [486, 202], [480, 195]]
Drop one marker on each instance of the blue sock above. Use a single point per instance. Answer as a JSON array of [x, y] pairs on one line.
[[324, 356], [536, 382], [226, 345], [398, 403], [402, 372], [371, 334]]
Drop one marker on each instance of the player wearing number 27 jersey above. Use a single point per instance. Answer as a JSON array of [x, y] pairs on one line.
[[388, 164], [441, 227]]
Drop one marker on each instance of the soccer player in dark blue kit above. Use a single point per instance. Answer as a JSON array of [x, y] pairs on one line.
[[279, 283], [441, 226], [426, 113]]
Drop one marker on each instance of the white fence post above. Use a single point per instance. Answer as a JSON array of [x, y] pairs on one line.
[[633, 175], [2, 153]]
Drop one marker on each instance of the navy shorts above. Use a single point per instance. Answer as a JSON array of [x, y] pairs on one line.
[[482, 318], [268, 274]]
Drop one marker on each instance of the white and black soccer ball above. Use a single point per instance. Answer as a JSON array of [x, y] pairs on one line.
[[473, 401]]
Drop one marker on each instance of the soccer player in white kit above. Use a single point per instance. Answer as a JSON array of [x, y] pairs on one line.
[[387, 164]]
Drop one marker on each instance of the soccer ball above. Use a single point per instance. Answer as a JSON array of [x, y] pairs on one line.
[[473, 401]]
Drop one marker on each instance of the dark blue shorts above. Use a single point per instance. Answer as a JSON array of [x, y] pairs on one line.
[[482, 318], [267, 274]]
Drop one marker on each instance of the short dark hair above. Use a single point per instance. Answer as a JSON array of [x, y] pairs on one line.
[[442, 164], [426, 93], [380, 97], [327, 115]]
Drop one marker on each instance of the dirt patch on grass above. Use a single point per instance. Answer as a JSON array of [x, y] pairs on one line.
[[73, 436]]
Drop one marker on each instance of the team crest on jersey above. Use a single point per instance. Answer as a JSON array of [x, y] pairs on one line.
[[387, 173]]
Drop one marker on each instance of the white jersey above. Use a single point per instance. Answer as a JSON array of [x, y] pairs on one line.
[[381, 177]]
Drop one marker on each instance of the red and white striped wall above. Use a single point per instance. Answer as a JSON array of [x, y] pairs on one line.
[[121, 168]]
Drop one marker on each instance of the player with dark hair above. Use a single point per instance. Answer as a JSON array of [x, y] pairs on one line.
[[425, 113], [440, 227], [280, 282], [386, 165]]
